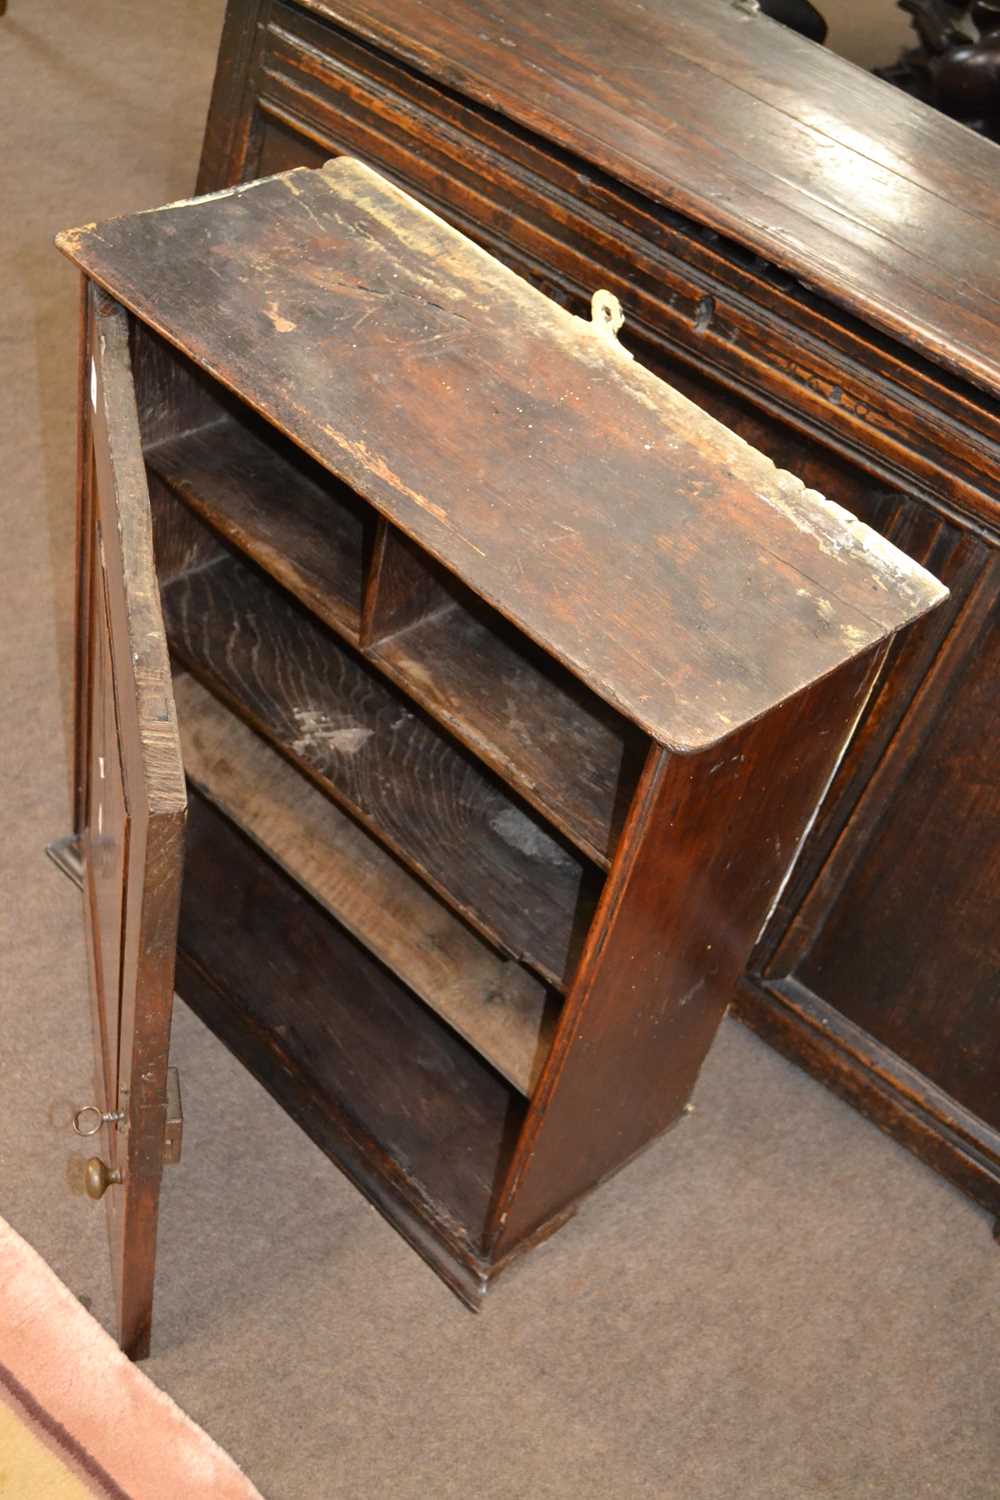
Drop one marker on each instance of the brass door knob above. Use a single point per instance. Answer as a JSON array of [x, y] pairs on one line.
[[98, 1178]]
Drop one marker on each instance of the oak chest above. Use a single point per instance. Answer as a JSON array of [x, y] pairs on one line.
[[495, 681]]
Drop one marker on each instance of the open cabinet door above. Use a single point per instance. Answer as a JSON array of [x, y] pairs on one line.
[[131, 804]]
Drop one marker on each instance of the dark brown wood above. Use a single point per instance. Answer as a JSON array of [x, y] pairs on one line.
[[501, 1009], [380, 758], [337, 1039], [688, 891], [338, 262], [932, 1006], [404, 588], [742, 84], [552, 598], [789, 343], [311, 536], [132, 834], [565, 750]]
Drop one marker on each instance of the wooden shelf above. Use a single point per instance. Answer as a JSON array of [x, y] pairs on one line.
[[547, 735], [403, 778], [496, 1005], [378, 1080], [259, 491], [554, 741]]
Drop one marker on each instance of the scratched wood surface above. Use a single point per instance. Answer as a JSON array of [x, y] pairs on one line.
[[407, 781], [661, 558], [565, 750], [885, 205], [495, 1004], [136, 826], [335, 1037]]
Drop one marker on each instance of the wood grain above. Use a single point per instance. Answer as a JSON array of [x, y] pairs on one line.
[[715, 586], [703, 856], [404, 586], [495, 1004], [754, 130], [265, 496], [406, 781], [912, 447], [565, 750], [339, 1041], [141, 730]]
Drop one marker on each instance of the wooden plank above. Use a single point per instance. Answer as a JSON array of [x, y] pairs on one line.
[[570, 754], [307, 530], [708, 843], [402, 778], [496, 1005], [653, 552], [751, 130], [145, 845], [337, 1040]]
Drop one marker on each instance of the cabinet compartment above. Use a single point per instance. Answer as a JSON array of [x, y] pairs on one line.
[[251, 485], [381, 1085], [564, 749], [364, 745], [568, 753], [498, 1006]]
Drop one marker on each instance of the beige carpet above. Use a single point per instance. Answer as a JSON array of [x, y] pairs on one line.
[[79, 1421], [774, 1303]]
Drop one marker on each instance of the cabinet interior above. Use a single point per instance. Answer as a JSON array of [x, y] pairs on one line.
[[431, 800]]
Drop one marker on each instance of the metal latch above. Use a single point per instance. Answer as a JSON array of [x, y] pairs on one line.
[[89, 1120]]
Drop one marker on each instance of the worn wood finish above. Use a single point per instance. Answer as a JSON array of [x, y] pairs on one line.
[[611, 536], [691, 295], [365, 275], [337, 1039], [686, 895], [132, 838], [494, 1003], [944, 1030], [757, 101], [307, 534], [565, 750], [568, 753], [862, 415], [367, 747]]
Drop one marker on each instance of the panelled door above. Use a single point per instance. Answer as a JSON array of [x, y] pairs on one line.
[[130, 814]]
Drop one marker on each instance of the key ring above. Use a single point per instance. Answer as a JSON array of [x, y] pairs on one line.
[[101, 1117]]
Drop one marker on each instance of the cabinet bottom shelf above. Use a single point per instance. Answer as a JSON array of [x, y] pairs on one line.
[[402, 1105]]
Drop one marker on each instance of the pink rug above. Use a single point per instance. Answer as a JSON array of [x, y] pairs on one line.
[[79, 1420]]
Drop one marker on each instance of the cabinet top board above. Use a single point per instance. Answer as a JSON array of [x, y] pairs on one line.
[[711, 108], [667, 563]]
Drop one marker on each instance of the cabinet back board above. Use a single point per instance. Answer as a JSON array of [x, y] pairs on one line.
[[664, 561]]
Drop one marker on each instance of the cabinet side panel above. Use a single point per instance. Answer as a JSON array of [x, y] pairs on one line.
[[708, 843]]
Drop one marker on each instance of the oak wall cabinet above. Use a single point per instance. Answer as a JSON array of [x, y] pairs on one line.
[[814, 258], [503, 678]]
